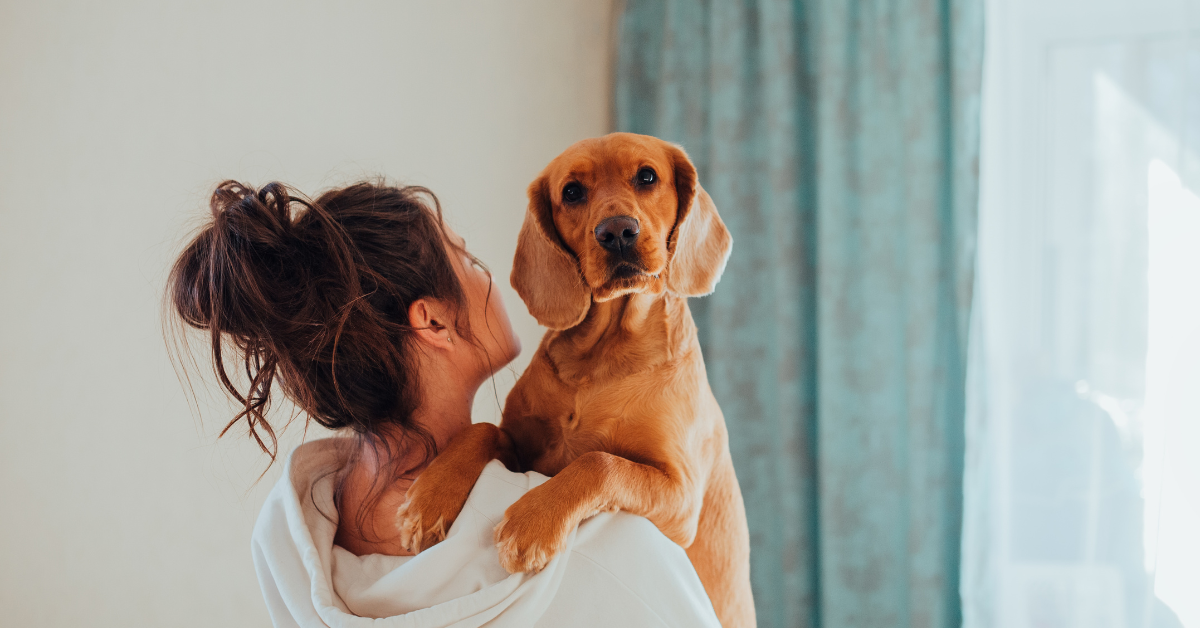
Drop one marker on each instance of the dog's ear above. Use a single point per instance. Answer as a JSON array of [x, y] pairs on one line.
[[700, 244], [545, 273]]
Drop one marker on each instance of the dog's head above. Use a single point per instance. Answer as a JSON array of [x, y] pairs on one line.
[[613, 215]]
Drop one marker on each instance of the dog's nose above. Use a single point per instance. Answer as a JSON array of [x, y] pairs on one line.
[[617, 233]]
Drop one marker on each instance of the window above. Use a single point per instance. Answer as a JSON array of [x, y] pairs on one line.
[[1083, 480]]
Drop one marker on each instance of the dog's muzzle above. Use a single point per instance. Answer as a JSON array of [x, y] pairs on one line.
[[618, 234]]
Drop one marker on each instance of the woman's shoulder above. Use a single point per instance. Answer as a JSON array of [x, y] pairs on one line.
[[304, 491], [617, 566]]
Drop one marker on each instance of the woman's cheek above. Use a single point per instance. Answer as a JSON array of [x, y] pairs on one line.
[[504, 325]]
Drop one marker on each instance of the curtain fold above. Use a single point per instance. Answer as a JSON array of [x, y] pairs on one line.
[[839, 140]]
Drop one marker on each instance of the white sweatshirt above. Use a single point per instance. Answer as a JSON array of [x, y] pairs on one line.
[[617, 568]]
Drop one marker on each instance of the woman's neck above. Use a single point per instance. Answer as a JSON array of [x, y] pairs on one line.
[[441, 416], [380, 477], [446, 400], [383, 471]]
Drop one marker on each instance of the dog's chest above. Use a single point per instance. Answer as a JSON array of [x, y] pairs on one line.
[[574, 420], [584, 415]]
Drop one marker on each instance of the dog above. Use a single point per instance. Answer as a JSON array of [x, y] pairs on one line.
[[615, 406]]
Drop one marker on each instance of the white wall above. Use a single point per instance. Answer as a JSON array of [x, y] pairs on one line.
[[116, 119]]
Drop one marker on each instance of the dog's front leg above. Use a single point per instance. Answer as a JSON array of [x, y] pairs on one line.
[[536, 527], [435, 499]]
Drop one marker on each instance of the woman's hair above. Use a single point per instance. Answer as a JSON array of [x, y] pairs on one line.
[[313, 297]]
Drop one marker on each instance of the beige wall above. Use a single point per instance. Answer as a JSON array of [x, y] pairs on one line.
[[116, 119]]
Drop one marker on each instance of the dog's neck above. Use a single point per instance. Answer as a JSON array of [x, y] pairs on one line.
[[623, 336]]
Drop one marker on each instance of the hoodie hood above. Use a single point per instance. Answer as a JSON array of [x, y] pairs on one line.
[[616, 567]]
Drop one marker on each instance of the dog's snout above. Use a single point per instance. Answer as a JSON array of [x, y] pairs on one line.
[[617, 233]]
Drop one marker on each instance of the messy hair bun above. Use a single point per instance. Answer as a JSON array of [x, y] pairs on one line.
[[313, 296]]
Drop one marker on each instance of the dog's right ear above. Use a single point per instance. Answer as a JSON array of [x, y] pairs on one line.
[[545, 273]]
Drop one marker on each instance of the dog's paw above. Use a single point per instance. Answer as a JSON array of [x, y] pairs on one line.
[[416, 533], [530, 536], [427, 513]]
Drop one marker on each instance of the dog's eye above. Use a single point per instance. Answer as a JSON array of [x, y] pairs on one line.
[[646, 176], [573, 193]]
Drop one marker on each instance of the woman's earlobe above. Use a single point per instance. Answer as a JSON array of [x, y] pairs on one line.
[[423, 319]]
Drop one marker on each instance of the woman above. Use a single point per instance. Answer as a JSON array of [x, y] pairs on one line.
[[370, 315]]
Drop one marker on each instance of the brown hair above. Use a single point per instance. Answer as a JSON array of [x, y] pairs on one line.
[[314, 296]]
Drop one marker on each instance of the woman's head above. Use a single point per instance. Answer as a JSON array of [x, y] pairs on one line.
[[319, 298]]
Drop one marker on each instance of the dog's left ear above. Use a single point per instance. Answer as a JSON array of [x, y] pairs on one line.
[[700, 244]]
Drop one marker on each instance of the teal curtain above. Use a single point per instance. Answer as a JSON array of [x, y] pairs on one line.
[[840, 141]]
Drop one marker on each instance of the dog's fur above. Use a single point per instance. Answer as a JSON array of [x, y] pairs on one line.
[[615, 404]]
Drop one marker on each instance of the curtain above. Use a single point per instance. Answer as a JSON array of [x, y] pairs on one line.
[[839, 140]]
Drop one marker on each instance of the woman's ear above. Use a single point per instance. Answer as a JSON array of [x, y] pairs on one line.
[[429, 320], [545, 273], [700, 244]]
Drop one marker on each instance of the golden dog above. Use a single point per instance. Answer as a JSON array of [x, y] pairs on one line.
[[615, 405]]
